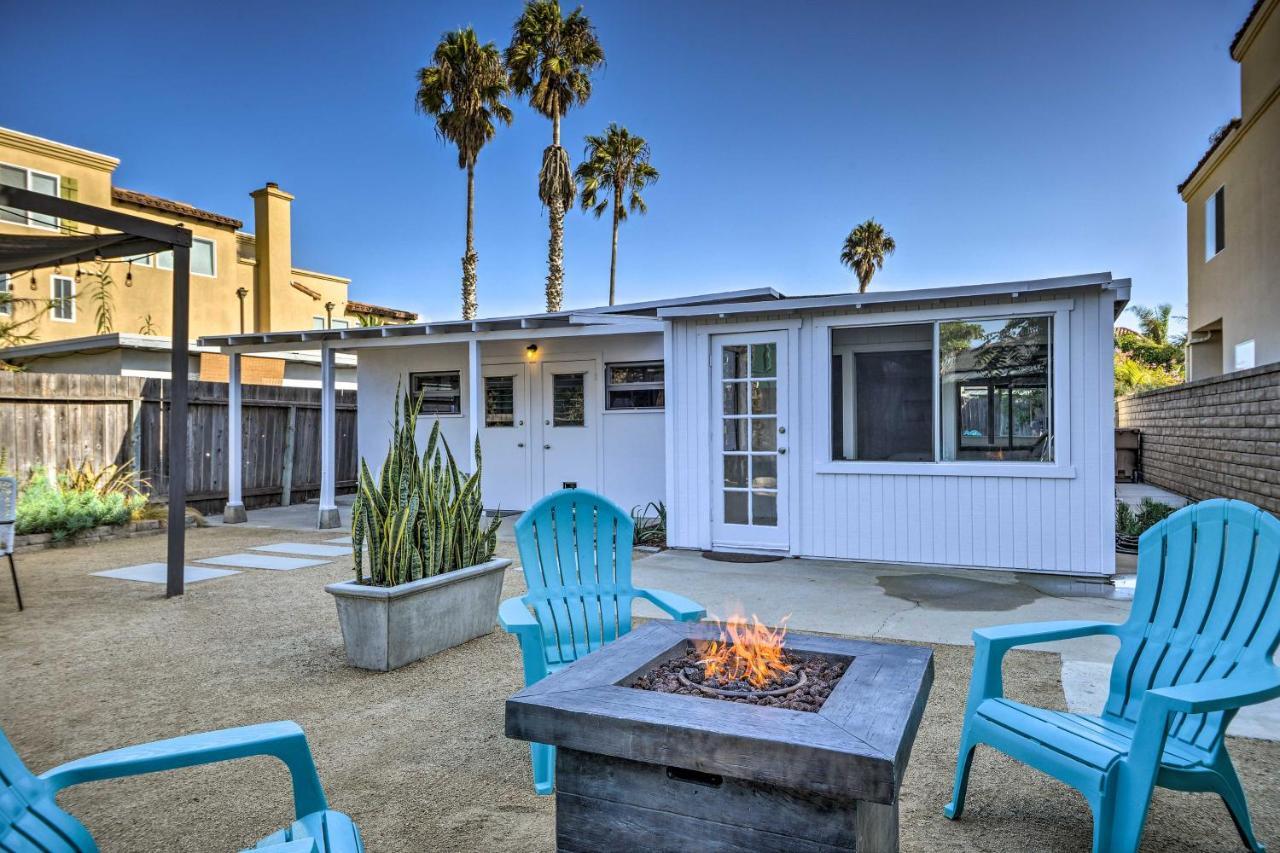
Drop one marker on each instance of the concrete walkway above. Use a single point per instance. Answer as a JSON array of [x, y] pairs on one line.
[[301, 516], [914, 603]]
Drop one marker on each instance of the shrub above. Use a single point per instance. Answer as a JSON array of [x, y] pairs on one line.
[[651, 524], [1148, 515], [44, 507]]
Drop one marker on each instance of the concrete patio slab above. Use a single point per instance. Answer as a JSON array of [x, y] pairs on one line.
[[156, 573], [1133, 493], [306, 549], [263, 561], [340, 540]]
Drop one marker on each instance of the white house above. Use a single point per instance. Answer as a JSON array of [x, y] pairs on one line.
[[961, 426]]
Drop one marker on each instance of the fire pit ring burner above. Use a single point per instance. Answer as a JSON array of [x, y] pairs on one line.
[[745, 694]]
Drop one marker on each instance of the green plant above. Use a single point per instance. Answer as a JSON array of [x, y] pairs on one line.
[[865, 250], [52, 507], [147, 327], [103, 300], [651, 523], [109, 479], [1134, 523], [423, 516], [616, 163]]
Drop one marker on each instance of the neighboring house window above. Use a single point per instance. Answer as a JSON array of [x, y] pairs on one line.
[[339, 324], [441, 391], [1215, 223], [499, 401], [28, 179], [6, 300], [634, 386], [142, 260], [1244, 355], [63, 298], [883, 406], [202, 257], [317, 322]]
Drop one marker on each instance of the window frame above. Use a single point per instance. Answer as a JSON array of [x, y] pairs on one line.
[[635, 386], [213, 258], [1214, 213], [6, 286], [27, 221], [1059, 312], [1251, 347], [461, 411], [54, 299]]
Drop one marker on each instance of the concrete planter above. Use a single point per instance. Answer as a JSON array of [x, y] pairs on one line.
[[386, 627]]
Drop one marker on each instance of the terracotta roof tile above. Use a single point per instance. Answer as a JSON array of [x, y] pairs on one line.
[[1219, 137], [354, 307], [175, 207], [1253, 13]]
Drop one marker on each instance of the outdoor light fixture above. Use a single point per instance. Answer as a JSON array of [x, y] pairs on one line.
[[532, 350]]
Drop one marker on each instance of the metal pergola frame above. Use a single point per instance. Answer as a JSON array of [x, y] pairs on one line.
[[134, 236]]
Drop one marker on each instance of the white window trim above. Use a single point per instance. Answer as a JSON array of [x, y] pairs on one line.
[[632, 410], [57, 193], [1252, 345], [1060, 355], [462, 393], [53, 295], [213, 257]]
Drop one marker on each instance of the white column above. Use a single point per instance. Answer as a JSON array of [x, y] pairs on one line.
[[328, 433], [474, 403], [234, 512]]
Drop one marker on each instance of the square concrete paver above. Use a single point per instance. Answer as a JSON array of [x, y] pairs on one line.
[[341, 540], [157, 573], [263, 561], [306, 549]]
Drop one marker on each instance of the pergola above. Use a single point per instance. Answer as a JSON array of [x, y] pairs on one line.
[[125, 237]]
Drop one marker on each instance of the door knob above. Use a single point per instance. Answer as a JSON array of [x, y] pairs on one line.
[[546, 447], [782, 451], [519, 444]]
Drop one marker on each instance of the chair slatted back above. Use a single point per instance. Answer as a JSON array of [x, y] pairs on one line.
[[30, 819], [575, 549], [1206, 603]]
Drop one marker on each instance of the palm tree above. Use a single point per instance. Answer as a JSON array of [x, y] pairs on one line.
[[615, 163], [1154, 322], [550, 60], [864, 251], [463, 89]]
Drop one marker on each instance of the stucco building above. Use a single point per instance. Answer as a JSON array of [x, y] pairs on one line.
[[241, 281], [1233, 217]]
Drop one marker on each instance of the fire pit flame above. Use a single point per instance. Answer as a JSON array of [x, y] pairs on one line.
[[747, 652]]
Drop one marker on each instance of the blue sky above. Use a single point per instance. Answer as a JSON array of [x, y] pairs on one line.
[[995, 141]]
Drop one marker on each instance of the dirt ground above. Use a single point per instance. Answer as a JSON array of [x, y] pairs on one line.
[[417, 757]]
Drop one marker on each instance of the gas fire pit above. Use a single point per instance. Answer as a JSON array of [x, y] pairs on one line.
[[647, 761]]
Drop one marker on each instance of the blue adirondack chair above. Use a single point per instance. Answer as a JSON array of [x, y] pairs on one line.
[[30, 819], [1196, 648], [575, 549]]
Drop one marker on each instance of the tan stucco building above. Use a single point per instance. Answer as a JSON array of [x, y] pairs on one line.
[[241, 281], [1233, 217]]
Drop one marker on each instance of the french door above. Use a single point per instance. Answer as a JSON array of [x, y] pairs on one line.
[[504, 436], [749, 425], [569, 425]]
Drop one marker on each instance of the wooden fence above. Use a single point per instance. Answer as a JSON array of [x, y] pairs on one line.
[[51, 419]]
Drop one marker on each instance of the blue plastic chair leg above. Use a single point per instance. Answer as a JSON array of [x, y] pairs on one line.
[[1227, 784], [544, 768], [964, 762], [1102, 823]]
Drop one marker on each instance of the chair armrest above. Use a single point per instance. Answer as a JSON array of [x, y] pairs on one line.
[[515, 618], [676, 606], [1001, 638], [1244, 687], [282, 740]]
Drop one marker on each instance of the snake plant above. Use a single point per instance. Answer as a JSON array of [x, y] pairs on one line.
[[422, 516]]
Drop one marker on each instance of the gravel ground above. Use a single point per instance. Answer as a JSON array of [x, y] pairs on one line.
[[417, 756]]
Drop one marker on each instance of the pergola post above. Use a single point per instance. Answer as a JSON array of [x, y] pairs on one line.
[[328, 518], [474, 402], [179, 368], [234, 512]]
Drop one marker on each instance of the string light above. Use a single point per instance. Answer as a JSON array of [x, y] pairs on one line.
[[34, 286], [128, 276]]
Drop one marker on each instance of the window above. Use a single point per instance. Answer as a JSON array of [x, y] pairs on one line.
[[995, 390], [339, 324], [26, 179], [568, 400], [1215, 223], [499, 401], [1244, 355], [202, 257], [440, 391], [317, 322], [63, 298], [882, 393], [6, 295], [634, 386]]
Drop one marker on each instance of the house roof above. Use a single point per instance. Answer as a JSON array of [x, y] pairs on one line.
[[630, 317], [354, 307], [1218, 138], [1253, 13], [175, 207], [934, 294], [90, 344]]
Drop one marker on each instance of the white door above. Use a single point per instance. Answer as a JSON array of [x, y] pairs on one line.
[[504, 436], [570, 423], [750, 432]]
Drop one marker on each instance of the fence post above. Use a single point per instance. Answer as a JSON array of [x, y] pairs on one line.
[[286, 476], [135, 438]]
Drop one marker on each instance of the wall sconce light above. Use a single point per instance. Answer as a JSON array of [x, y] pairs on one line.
[[531, 351]]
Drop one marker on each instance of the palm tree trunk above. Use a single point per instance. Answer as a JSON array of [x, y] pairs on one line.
[[469, 258], [613, 259], [555, 243]]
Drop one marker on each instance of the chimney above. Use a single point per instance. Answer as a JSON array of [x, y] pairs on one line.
[[273, 250]]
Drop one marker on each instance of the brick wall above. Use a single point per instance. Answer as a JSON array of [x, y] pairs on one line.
[[1217, 437]]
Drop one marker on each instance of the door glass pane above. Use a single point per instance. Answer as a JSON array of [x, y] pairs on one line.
[[735, 434], [764, 509], [764, 434], [735, 507], [499, 401], [764, 397], [734, 361], [764, 359], [735, 398], [764, 472], [568, 401], [735, 471]]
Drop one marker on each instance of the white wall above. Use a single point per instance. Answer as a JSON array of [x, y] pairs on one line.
[[630, 444], [1060, 521]]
